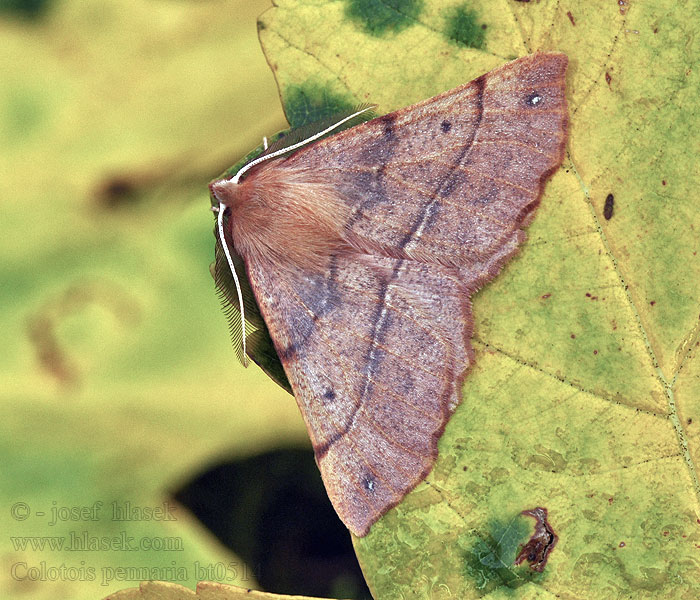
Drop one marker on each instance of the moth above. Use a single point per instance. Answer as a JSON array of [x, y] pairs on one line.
[[353, 258]]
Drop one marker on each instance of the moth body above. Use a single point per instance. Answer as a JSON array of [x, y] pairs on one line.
[[285, 216]]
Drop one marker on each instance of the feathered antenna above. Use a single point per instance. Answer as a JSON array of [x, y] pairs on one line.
[[301, 143], [224, 246], [221, 208]]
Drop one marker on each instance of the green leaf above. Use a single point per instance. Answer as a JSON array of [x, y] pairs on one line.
[[585, 397]]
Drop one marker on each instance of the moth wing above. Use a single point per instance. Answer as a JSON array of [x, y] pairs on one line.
[[375, 344], [454, 178], [375, 350]]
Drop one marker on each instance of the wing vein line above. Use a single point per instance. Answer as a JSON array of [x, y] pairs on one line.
[[342, 364]]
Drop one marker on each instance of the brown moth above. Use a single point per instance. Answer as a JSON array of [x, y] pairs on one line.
[[363, 249]]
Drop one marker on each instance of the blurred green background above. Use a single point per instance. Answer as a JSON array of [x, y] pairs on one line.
[[117, 381]]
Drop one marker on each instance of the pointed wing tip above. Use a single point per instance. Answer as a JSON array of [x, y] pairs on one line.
[[554, 57], [559, 59], [557, 62], [360, 523], [361, 530]]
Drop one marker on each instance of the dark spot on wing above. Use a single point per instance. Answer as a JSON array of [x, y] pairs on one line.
[[534, 99], [329, 394], [369, 482], [453, 181], [463, 28], [288, 352], [609, 207], [406, 384], [445, 126], [486, 198], [388, 122], [380, 17]]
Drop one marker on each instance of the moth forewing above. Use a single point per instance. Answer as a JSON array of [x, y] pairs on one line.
[[362, 250]]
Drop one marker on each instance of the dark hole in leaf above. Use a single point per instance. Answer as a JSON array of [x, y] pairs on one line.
[[536, 550]]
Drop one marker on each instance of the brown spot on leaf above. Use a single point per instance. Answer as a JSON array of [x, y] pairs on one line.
[[571, 17], [42, 326], [545, 296], [609, 207], [118, 190], [652, 302], [49, 353], [663, 182], [623, 4], [129, 187], [573, 336], [608, 79], [537, 549], [622, 544]]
